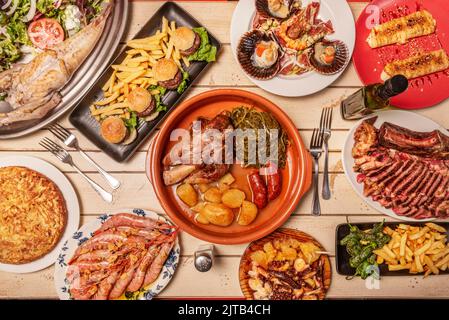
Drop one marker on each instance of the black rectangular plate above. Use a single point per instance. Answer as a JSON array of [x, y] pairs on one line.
[[88, 126], [342, 257]]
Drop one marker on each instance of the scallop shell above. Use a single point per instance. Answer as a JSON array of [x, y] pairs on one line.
[[245, 51], [263, 10], [341, 58]]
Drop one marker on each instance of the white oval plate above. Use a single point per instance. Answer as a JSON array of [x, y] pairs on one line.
[[405, 119], [338, 11], [73, 241], [71, 201]]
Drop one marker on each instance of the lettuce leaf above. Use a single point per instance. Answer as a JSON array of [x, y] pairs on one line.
[[159, 105], [183, 85], [9, 53], [158, 97], [206, 51], [131, 123]]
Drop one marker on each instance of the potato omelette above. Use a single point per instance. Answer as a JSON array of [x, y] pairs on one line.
[[33, 215]]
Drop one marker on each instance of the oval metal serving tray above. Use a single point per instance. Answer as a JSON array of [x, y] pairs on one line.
[[85, 76]]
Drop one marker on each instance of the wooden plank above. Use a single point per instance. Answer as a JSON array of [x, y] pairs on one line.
[[135, 165], [218, 24], [136, 191], [31, 144], [224, 274], [304, 112]]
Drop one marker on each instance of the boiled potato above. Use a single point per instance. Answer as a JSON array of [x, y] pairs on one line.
[[223, 187], [260, 258], [213, 195], [197, 208], [187, 194], [233, 198], [201, 219], [203, 187], [247, 214], [288, 252], [269, 250], [218, 214], [227, 179]]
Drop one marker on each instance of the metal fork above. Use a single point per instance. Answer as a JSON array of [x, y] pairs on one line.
[[316, 145], [325, 127], [70, 140], [65, 157]]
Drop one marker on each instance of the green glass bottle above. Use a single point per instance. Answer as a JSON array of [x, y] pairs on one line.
[[372, 97]]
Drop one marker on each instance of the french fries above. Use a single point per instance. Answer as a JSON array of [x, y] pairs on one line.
[[416, 249], [136, 71]]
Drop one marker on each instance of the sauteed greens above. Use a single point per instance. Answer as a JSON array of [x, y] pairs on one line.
[[360, 246], [249, 118]]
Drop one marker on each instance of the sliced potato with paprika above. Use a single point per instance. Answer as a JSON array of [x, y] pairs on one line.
[[233, 198], [247, 214], [187, 193]]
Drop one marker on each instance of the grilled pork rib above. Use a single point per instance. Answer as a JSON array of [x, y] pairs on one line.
[[427, 144]]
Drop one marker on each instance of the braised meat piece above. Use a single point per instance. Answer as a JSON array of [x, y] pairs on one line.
[[181, 165]]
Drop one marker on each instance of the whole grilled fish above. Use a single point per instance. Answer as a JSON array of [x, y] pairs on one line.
[[32, 89]]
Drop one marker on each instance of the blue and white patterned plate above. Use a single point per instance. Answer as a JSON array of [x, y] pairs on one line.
[[86, 231]]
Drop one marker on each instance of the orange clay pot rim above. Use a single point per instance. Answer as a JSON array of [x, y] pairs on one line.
[[157, 147]]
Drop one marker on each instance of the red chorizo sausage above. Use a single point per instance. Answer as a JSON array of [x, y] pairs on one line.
[[274, 182], [258, 189]]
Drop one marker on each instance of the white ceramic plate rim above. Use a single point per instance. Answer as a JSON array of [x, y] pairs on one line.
[[310, 82], [403, 118], [72, 204], [71, 245]]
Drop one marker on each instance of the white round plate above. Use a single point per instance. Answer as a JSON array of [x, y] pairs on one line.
[[71, 201], [405, 119], [338, 11], [72, 242]]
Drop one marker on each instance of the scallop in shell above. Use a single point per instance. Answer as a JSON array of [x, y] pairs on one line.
[[329, 56], [259, 55], [279, 9]]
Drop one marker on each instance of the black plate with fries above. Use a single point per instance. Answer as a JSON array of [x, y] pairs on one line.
[[87, 125], [342, 257]]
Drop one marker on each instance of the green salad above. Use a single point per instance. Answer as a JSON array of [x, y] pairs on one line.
[[20, 18]]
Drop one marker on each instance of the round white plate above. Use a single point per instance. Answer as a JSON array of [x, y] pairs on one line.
[[405, 119], [72, 242], [71, 201], [338, 11]]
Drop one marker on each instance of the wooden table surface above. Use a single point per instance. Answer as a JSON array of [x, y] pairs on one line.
[[222, 280]]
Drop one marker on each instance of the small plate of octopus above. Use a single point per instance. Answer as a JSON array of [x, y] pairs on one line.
[[128, 255], [293, 48], [286, 265]]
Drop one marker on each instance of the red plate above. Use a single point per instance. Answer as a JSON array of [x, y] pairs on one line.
[[423, 92]]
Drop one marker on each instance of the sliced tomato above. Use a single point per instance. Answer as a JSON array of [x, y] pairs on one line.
[[45, 33]]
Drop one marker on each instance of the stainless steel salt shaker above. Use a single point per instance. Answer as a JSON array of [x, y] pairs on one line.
[[204, 258]]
